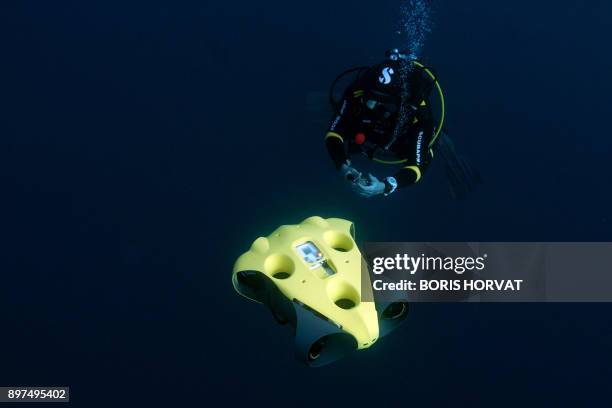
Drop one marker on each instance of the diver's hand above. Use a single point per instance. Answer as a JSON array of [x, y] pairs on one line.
[[369, 187], [349, 173]]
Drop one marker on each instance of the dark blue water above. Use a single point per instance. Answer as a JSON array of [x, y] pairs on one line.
[[144, 145]]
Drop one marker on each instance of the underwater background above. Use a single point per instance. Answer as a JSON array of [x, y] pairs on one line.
[[145, 145]]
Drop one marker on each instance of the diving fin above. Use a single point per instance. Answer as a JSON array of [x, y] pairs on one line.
[[462, 177]]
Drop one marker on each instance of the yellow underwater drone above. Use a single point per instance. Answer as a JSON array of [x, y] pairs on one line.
[[310, 276]]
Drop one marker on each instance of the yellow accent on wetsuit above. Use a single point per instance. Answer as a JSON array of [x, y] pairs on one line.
[[381, 161], [416, 170], [334, 134]]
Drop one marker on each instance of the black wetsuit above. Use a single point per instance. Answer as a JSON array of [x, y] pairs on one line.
[[355, 119]]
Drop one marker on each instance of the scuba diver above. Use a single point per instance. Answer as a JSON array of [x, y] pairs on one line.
[[385, 114]]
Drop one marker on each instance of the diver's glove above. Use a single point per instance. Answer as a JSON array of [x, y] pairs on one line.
[[349, 173], [390, 185], [369, 186]]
